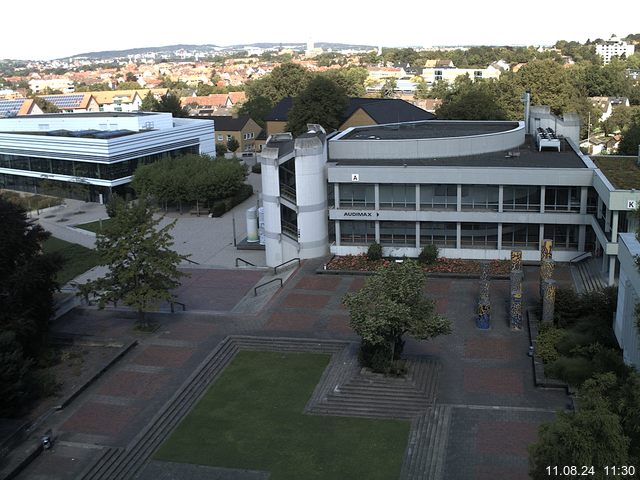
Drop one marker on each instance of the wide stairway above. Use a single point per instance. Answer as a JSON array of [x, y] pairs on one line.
[[587, 276]]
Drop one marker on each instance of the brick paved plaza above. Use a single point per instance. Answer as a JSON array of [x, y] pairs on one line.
[[485, 382]]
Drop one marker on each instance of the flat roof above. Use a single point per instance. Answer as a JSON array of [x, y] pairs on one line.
[[428, 129], [84, 114], [91, 133], [525, 156], [622, 171]]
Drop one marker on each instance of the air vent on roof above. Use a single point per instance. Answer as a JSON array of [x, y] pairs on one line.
[[547, 138], [511, 154]]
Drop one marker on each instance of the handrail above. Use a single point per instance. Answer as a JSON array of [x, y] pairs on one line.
[[243, 260], [284, 263], [255, 290], [191, 261], [582, 256], [184, 307]]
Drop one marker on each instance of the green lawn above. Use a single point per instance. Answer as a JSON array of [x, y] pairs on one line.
[[94, 226], [77, 259], [252, 418]]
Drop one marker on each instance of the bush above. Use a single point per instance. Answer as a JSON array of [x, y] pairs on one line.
[[573, 370], [428, 255], [220, 207], [572, 340], [546, 341], [257, 168], [374, 252], [567, 307]]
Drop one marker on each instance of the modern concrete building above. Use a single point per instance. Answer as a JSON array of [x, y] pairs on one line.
[[474, 189], [614, 47], [91, 155]]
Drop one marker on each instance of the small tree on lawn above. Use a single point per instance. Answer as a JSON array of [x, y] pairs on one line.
[[233, 144], [142, 267], [391, 304]]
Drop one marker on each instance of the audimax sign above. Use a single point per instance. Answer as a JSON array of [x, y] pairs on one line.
[[360, 214]]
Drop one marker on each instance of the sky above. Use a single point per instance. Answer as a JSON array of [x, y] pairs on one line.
[[79, 27]]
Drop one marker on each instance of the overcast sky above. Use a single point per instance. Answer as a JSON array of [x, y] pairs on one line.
[[46, 30]]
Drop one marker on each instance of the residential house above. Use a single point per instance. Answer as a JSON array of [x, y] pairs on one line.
[[73, 102], [244, 129], [63, 84], [18, 107], [359, 112], [446, 71], [118, 100], [607, 104]]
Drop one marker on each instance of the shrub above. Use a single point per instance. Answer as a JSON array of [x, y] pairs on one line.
[[567, 307], [257, 168], [572, 340], [218, 209], [428, 255], [546, 341], [573, 370], [374, 252]]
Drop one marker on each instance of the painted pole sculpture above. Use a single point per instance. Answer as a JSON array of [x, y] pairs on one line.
[[548, 301], [483, 321], [547, 264], [515, 310]]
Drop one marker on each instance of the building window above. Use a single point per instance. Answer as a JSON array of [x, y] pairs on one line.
[[480, 197], [357, 195], [440, 234], [289, 222], [477, 74], [229, 137], [520, 235], [562, 199], [401, 196], [354, 232], [220, 138], [438, 197], [479, 235], [521, 199], [564, 237], [398, 234]]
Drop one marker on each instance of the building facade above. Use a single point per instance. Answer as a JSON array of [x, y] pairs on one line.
[[614, 47], [92, 155], [474, 189], [625, 325]]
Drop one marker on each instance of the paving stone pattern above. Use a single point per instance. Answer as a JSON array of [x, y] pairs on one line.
[[473, 414]]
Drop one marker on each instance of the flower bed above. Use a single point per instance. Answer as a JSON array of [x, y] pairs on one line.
[[360, 263]]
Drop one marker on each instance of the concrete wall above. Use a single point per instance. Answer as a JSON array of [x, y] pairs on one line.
[[628, 292]]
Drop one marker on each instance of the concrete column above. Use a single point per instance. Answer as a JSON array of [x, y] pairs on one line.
[[458, 235], [500, 233], [500, 201], [417, 234], [337, 227], [582, 235], [459, 198], [376, 195], [336, 194], [612, 270], [417, 197], [584, 192], [377, 231], [541, 235], [542, 197], [614, 226]]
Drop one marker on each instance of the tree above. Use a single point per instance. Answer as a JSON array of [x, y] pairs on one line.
[[390, 305], [286, 80], [422, 91], [232, 144], [630, 138], [322, 102], [256, 108], [388, 88], [15, 375], [128, 86], [142, 268], [221, 149], [149, 103], [45, 105], [170, 102], [471, 101], [27, 279], [351, 79], [130, 77]]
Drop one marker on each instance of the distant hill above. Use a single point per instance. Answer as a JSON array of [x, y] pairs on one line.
[[211, 47]]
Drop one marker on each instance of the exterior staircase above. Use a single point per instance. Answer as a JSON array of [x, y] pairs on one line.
[[587, 276]]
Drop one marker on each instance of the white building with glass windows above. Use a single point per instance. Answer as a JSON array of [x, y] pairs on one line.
[[91, 155], [474, 189]]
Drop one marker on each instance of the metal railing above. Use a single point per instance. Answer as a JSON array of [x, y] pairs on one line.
[[255, 290], [238, 259], [582, 256], [171, 305], [275, 269], [288, 192]]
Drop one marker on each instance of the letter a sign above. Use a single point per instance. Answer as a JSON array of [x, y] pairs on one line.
[[355, 177]]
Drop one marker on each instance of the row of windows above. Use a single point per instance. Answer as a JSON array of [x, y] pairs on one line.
[[473, 197], [444, 234], [108, 171]]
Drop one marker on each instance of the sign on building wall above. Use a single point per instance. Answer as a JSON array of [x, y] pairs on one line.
[[632, 204], [355, 177]]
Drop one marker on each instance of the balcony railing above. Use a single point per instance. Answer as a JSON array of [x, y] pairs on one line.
[[288, 192]]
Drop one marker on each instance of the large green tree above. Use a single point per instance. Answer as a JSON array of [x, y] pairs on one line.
[[322, 102], [170, 102], [469, 100], [392, 304], [286, 80], [27, 279], [142, 267]]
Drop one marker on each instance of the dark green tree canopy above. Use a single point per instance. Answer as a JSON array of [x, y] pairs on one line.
[[322, 102], [469, 100], [142, 267]]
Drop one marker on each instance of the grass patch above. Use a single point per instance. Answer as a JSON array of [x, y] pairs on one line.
[[77, 259], [252, 418], [621, 171], [94, 226]]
